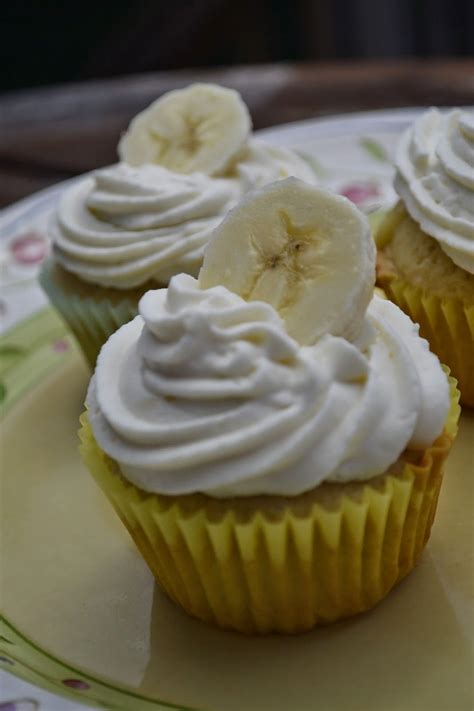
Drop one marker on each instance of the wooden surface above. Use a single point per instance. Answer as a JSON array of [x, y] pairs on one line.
[[50, 134]]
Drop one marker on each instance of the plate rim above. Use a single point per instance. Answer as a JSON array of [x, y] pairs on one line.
[[57, 687]]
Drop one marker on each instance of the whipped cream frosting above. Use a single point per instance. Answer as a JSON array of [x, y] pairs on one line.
[[435, 179], [123, 225], [205, 392]]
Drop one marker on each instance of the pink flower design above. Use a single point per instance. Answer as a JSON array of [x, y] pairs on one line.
[[60, 346], [76, 684], [29, 248], [359, 193]]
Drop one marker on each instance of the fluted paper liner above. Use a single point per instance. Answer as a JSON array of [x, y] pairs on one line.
[[93, 314], [447, 325], [282, 564]]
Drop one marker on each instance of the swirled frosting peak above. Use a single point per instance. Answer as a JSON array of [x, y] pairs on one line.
[[205, 392], [435, 179], [124, 226]]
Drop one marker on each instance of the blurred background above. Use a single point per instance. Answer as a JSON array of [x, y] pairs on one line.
[[55, 41], [74, 73]]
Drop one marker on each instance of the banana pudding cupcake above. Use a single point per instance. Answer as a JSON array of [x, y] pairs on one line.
[[271, 434], [185, 161], [426, 243]]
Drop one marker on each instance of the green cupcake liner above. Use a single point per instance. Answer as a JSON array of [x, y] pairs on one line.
[[92, 313]]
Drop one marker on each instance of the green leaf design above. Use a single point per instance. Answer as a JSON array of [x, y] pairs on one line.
[[314, 164], [3, 392], [374, 149], [10, 350], [10, 355]]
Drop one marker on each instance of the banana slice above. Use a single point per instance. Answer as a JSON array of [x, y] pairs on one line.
[[302, 249], [197, 129]]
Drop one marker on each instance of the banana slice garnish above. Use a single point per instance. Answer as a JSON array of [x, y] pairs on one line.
[[306, 251], [197, 129]]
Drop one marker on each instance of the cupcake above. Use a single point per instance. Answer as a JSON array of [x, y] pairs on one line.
[[185, 161], [271, 434], [426, 242]]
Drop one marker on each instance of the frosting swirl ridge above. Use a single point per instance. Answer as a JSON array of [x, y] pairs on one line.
[[208, 393], [123, 226]]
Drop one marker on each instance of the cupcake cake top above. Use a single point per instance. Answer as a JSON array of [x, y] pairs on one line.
[[276, 370], [435, 179], [185, 161]]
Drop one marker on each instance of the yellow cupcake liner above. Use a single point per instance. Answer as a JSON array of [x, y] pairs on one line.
[[282, 564], [91, 313], [447, 324]]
